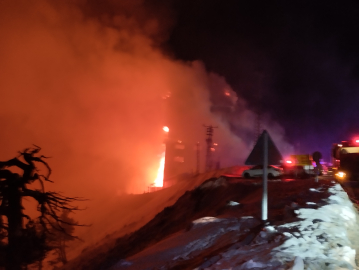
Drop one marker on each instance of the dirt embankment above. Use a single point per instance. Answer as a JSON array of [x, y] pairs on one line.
[[212, 200]]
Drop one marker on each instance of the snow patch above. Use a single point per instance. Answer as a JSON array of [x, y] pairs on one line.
[[287, 234], [123, 263], [298, 264], [205, 220], [221, 181], [270, 229], [199, 244], [231, 203], [325, 238], [252, 264]]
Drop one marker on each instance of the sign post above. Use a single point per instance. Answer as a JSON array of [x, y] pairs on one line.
[[265, 179], [264, 153]]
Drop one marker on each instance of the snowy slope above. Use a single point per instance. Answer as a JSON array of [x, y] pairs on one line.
[[217, 226], [324, 238]]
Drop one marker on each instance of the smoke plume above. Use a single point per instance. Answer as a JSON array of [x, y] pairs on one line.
[[89, 89]]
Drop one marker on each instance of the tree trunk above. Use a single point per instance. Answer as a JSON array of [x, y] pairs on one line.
[[15, 224]]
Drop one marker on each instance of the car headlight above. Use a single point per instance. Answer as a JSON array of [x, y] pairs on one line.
[[341, 175]]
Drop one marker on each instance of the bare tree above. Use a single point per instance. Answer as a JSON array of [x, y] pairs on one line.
[[58, 240], [25, 240]]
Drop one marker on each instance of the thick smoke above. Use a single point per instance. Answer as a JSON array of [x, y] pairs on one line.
[[91, 92], [69, 86]]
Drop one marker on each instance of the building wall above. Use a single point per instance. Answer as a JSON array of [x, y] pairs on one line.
[[180, 159]]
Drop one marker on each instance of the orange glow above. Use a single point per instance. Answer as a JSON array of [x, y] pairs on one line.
[[159, 179], [167, 95], [166, 129]]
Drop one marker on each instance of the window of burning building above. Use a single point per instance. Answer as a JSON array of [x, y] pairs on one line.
[[179, 146], [179, 159]]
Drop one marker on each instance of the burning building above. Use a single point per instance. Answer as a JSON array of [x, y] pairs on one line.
[[176, 161], [181, 159]]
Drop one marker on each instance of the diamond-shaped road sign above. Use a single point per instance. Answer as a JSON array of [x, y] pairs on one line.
[[256, 156]]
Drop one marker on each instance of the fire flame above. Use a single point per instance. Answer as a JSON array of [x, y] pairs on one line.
[[159, 179]]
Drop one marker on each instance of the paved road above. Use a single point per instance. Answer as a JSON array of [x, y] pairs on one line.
[[351, 187], [239, 178]]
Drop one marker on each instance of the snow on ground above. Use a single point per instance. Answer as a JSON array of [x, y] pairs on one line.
[[204, 234], [324, 238]]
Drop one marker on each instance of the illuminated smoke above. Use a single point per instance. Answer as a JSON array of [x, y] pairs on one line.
[[91, 92]]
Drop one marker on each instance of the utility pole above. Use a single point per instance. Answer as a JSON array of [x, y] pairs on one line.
[[209, 141]]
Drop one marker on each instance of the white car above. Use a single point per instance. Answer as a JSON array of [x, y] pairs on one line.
[[257, 171]]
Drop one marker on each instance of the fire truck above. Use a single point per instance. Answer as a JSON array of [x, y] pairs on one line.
[[345, 161], [299, 165]]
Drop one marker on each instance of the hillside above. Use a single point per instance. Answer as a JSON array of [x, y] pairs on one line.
[[220, 215], [127, 213]]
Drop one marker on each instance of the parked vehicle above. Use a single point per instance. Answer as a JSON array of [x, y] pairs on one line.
[[346, 160], [296, 171], [257, 171], [299, 165]]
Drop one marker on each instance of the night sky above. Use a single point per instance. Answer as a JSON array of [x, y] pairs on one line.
[[295, 60]]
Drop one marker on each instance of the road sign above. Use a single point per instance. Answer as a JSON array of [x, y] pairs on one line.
[[264, 153], [256, 156]]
